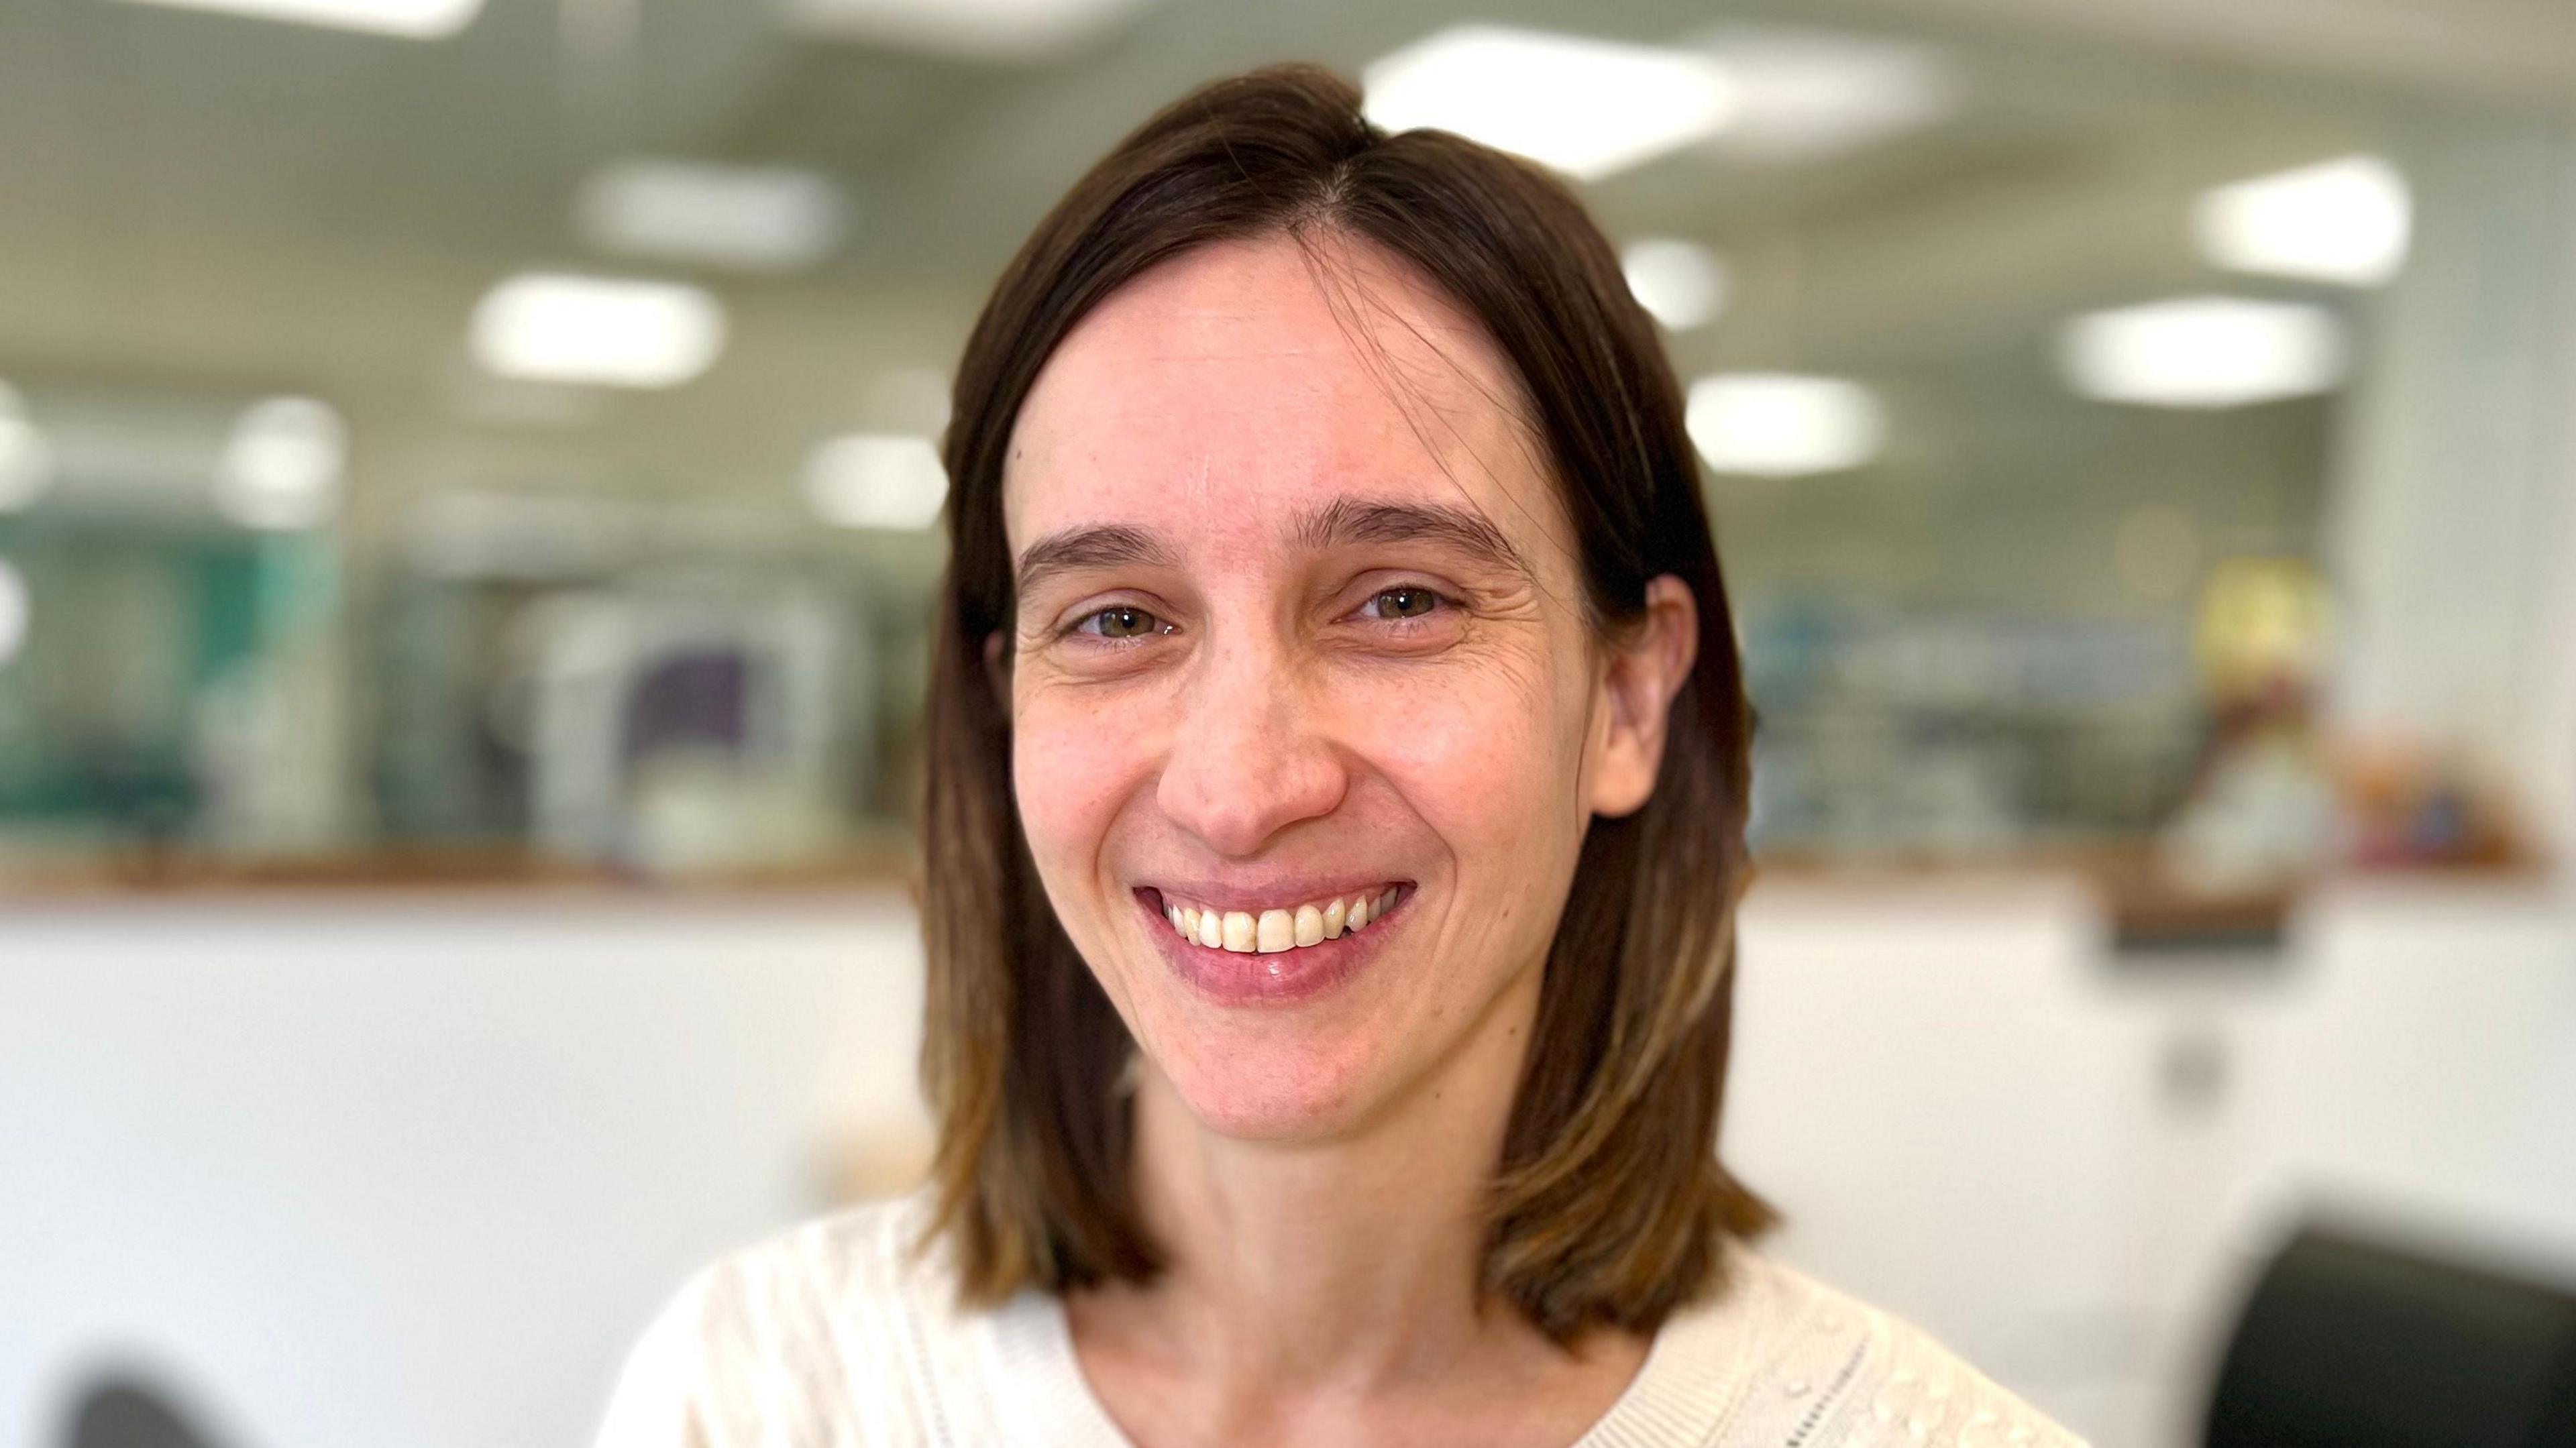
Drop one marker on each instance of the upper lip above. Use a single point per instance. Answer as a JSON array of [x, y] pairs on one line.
[[1269, 893]]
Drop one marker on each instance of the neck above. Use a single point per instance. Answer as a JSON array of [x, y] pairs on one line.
[[1346, 1264]]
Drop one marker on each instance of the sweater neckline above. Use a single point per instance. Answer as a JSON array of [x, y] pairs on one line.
[[1685, 1390]]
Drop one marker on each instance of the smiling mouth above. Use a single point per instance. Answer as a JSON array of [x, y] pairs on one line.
[[1269, 932]]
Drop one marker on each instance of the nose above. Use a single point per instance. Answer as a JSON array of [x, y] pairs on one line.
[[1250, 755]]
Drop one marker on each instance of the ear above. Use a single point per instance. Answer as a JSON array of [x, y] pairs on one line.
[[997, 670], [1648, 665]]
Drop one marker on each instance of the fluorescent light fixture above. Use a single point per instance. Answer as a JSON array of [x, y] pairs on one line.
[[13, 611], [877, 480], [26, 454], [1586, 107], [550, 327], [283, 465], [2203, 352], [1682, 283], [1784, 424], [768, 218], [1806, 94], [410, 19], [990, 30], [2343, 221]]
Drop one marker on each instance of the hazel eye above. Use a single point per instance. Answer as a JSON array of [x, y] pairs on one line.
[[1121, 621], [1402, 603]]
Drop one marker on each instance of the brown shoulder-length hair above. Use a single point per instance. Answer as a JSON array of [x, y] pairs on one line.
[[1609, 1202]]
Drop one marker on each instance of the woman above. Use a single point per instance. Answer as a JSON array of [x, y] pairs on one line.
[[1335, 819]]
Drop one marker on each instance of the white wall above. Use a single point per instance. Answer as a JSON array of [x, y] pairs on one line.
[[412, 1171], [2068, 1166], [1932, 1084], [2427, 1066]]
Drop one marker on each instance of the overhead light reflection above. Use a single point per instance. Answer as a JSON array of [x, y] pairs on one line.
[[409, 19], [1587, 107], [26, 454], [13, 611], [1682, 283], [2345, 221], [2204, 352], [1783, 424], [1003, 30], [752, 218], [549, 327], [1805, 94], [283, 466], [877, 480]]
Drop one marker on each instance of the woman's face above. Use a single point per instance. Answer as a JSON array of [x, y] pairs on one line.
[[1301, 639]]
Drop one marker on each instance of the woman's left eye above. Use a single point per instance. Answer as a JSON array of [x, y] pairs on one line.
[[1120, 621], [1402, 603]]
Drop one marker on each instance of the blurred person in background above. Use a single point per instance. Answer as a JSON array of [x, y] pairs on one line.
[[1337, 784]]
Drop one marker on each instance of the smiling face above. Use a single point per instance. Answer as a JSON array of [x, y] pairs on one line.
[[1300, 638]]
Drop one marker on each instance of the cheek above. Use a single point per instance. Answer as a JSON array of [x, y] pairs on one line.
[[1485, 751], [1073, 764]]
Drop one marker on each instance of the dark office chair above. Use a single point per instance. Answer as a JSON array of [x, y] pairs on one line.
[[2350, 1344], [124, 1411]]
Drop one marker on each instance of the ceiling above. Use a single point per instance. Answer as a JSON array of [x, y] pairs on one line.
[[195, 201]]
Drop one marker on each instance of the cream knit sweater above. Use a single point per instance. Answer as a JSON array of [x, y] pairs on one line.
[[830, 1336]]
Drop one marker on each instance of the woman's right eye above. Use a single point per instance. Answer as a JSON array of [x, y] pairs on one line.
[[1120, 621]]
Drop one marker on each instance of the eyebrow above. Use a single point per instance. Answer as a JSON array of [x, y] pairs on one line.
[[1345, 521], [1340, 522], [1107, 545]]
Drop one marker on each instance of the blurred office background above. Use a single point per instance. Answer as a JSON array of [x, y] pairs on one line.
[[467, 512]]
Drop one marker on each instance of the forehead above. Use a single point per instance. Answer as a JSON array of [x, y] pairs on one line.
[[1237, 383]]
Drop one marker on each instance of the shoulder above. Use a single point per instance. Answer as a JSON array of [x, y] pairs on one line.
[[836, 1331], [1819, 1368]]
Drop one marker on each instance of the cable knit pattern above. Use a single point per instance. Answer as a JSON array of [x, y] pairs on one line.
[[832, 1336]]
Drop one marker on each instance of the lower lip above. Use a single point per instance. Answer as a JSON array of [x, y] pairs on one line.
[[1250, 978]]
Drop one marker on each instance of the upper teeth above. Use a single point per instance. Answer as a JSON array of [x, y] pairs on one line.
[[1268, 931]]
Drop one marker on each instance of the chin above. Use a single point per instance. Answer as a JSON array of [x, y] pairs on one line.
[[1273, 1089]]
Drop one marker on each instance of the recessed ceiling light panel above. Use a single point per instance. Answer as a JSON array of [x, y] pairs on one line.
[[26, 454], [1806, 94], [769, 219], [283, 465], [990, 30], [13, 611], [1682, 283], [2203, 352], [2344, 221], [877, 480], [552, 327], [409, 19], [1587, 107], [1784, 424]]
